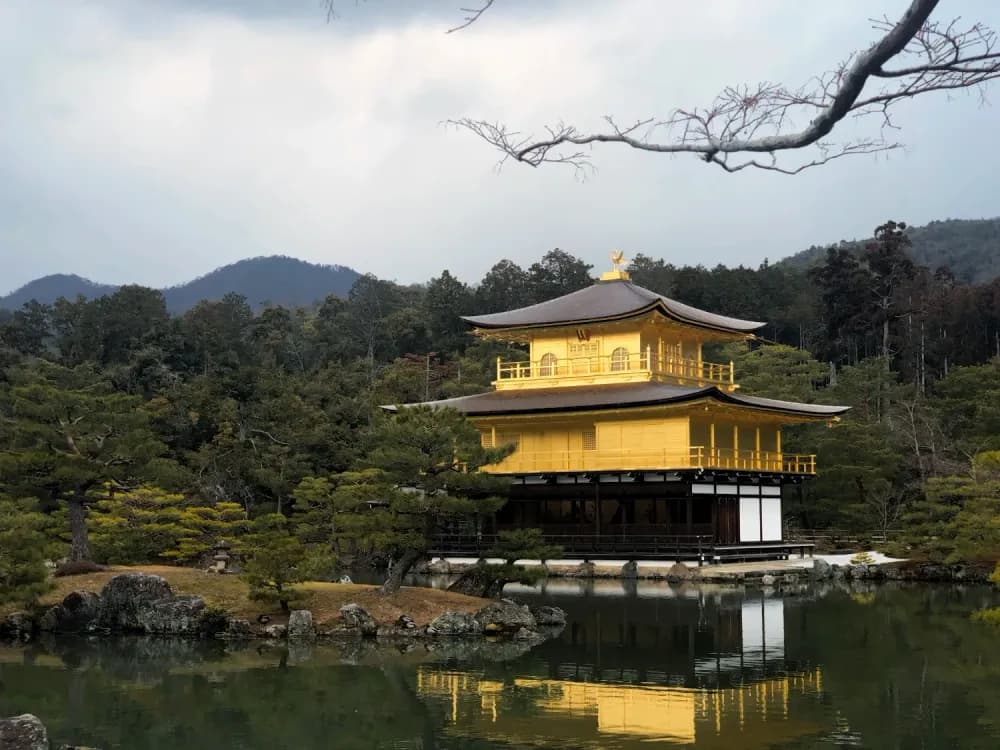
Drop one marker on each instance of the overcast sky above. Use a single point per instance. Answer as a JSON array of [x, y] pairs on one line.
[[152, 141]]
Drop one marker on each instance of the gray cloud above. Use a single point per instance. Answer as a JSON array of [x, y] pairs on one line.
[[153, 142]]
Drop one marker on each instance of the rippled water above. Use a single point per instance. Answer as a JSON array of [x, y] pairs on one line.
[[638, 666]]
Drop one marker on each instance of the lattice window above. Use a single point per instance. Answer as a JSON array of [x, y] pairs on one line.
[[486, 438], [619, 359], [548, 364], [590, 439]]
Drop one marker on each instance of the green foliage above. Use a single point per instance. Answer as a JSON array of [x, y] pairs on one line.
[[149, 525], [23, 548], [959, 518], [995, 575], [275, 560], [988, 616], [862, 558]]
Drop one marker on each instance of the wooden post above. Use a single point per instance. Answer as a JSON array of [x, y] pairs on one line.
[[711, 442], [736, 446], [498, 368], [757, 459]]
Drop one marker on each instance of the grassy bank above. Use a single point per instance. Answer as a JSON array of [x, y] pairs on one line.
[[230, 594]]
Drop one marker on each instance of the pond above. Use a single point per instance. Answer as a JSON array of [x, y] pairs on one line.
[[638, 666]]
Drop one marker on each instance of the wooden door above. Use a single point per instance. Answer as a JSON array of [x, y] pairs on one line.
[[727, 520]]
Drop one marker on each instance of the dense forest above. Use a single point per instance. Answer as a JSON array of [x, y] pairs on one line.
[[163, 432], [969, 248]]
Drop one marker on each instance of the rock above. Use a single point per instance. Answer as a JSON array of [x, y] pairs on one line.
[[505, 616], [300, 625], [125, 598], [548, 617], [405, 622], [180, 615], [480, 580], [237, 629], [790, 579], [767, 580], [857, 572], [19, 626], [24, 732], [345, 579], [357, 618], [78, 613], [454, 623], [630, 569], [678, 572], [821, 569], [276, 632], [439, 567]]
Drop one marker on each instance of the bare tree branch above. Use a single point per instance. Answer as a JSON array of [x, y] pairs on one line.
[[743, 120], [472, 15]]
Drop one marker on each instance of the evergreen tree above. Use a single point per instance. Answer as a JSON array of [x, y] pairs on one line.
[[23, 547], [66, 432]]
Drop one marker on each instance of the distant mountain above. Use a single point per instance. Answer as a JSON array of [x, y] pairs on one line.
[[275, 280], [969, 247], [50, 288]]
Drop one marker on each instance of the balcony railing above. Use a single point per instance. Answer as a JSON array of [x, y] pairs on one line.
[[696, 457], [682, 368]]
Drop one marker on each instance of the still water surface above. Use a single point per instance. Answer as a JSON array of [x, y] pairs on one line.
[[638, 666]]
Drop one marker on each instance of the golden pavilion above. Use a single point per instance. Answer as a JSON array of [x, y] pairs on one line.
[[627, 442]]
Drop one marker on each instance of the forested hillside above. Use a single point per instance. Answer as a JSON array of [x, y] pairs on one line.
[[970, 248], [113, 404], [275, 279]]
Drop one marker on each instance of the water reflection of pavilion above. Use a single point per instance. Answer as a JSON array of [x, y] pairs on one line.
[[707, 668]]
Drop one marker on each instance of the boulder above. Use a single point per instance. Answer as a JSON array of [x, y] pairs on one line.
[[821, 570], [505, 616], [78, 613], [405, 622], [276, 632], [583, 570], [300, 625], [857, 572], [126, 597], [180, 615], [549, 617], [17, 625], [630, 570], [454, 623], [356, 618], [237, 629], [767, 580], [678, 572], [24, 732], [790, 579], [345, 579]]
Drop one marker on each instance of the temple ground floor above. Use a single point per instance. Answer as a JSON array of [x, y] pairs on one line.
[[649, 515]]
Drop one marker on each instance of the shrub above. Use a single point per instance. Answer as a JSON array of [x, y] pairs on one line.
[[863, 558], [989, 616]]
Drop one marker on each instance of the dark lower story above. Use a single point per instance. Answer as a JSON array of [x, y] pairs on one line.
[[652, 516]]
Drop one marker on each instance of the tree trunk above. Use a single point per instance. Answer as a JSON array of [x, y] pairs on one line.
[[398, 571], [80, 547]]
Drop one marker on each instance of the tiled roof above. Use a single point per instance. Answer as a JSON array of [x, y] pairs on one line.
[[587, 398], [608, 300]]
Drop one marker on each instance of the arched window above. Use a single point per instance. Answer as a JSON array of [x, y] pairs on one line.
[[619, 359], [548, 364]]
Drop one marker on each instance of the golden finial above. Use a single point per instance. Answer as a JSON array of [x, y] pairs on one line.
[[617, 274]]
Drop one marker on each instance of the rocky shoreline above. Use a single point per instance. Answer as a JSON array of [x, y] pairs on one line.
[[820, 570], [145, 604]]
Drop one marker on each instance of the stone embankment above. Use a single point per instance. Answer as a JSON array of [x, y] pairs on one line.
[[141, 603]]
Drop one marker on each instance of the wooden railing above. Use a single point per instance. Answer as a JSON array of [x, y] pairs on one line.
[[682, 368], [696, 457]]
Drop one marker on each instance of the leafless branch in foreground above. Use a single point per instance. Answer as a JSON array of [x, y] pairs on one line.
[[914, 56], [472, 15]]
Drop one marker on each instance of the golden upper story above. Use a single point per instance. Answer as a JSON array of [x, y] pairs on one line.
[[612, 332]]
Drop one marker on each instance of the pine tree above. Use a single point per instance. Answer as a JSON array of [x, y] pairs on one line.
[[23, 547], [67, 432]]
